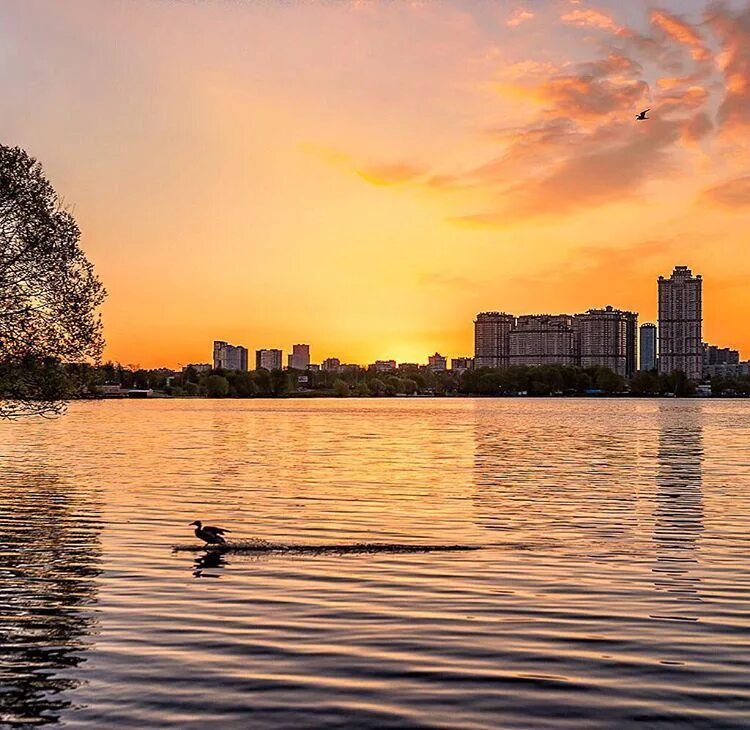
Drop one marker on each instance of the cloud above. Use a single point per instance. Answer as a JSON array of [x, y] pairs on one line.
[[521, 15], [733, 193], [682, 32], [392, 174], [733, 32], [589, 18]]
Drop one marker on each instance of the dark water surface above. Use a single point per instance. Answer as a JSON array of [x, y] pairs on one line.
[[613, 591]]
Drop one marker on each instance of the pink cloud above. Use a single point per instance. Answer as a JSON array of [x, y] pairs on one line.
[[521, 15]]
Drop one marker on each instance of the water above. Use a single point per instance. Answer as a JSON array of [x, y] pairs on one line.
[[613, 588]]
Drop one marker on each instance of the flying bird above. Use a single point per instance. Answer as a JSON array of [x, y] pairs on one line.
[[210, 535], [642, 115]]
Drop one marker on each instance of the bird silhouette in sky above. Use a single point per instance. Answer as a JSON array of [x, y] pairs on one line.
[[642, 115]]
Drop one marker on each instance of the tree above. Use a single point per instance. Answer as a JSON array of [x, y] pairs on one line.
[[341, 388], [49, 293], [217, 386]]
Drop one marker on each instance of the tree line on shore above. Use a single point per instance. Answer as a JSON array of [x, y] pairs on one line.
[[85, 380]]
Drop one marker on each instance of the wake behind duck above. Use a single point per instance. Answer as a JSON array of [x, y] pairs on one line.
[[215, 542]]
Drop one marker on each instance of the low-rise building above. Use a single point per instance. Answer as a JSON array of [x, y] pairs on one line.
[[459, 364], [437, 363]]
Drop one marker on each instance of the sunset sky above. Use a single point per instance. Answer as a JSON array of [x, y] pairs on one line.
[[366, 176]]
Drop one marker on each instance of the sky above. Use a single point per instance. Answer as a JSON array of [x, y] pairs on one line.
[[366, 176]]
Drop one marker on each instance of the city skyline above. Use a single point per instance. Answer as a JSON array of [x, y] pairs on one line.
[[599, 337], [263, 193]]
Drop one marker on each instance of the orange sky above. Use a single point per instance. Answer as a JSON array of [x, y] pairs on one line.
[[367, 176]]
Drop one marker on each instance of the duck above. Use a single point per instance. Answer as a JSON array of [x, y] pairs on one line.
[[210, 535]]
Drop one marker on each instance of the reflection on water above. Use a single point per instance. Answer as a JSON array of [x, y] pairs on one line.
[[50, 559], [612, 591], [678, 520]]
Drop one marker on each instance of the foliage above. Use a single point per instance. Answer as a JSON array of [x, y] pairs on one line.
[[49, 293]]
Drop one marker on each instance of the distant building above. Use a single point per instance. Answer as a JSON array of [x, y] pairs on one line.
[[313, 367], [491, 341], [648, 346], [714, 355], [543, 339], [409, 366], [606, 339], [229, 357], [459, 364], [268, 359], [331, 365], [437, 363], [680, 323], [199, 367], [383, 366], [299, 358], [727, 369]]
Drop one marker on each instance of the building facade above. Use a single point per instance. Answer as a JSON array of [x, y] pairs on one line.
[[383, 366], [331, 365], [437, 362], [680, 323], [459, 364], [607, 339], [268, 359], [543, 339], [647, 346], [229, 357], [299, 358], [715, 355], [491, 343]]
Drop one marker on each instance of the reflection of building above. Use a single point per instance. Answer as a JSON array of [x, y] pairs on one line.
[[229, 357], [491, 339], [268, 359], [648, 346], [607, 339], [459, 364], [543, 339], [437, 362], [680, 322], [51, 560], [299, 358], [678, 515]]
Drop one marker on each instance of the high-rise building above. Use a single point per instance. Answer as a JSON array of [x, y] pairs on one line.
[[459, 364], [268, 359], [680, 322], [437, 362], [607, 339], [229, 357], [299, 358], [491, 330], [543, 339], [648, 346]]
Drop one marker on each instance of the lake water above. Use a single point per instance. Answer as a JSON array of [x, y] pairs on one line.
[[613, 587]]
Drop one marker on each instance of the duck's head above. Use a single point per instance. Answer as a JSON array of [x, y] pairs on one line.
[[197, 523]]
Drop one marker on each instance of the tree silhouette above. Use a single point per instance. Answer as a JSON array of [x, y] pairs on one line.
[[49, 293]]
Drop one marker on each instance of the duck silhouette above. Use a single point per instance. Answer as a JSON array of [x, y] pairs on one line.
[[210, 535]]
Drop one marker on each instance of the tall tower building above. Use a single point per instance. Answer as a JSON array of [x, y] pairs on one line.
[[607, 339], [680, 321], [648, 346], [268, 359], [491, 330], [299, 358], [229, 357]]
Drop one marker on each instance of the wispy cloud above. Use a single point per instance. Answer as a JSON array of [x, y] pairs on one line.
[[733, 193], [519, 16], [590, 18], [682, 32]]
